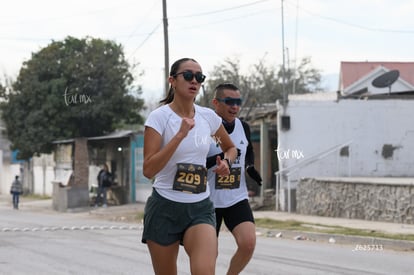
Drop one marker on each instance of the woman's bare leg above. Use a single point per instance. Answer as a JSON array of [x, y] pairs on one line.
[[200, 243], [164, 258]]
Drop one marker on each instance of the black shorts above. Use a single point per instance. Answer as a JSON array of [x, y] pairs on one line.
[[166, 221], [234, 215]]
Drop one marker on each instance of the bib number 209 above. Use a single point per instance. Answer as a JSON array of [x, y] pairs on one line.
[[191, 178]]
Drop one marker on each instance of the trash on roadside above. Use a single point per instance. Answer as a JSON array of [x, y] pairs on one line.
[[300, 238]]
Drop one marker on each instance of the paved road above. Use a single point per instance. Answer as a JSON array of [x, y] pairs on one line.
[[74, 243]]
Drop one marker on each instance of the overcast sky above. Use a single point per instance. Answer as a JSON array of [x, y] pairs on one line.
[[329, 31]]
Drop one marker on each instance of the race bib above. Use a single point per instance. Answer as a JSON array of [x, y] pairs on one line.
[[230, 181], [190, 178]]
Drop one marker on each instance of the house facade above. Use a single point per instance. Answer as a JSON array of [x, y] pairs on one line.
[[121, 151], [357, 77], [362, 131], [73, 168], [9, 165]]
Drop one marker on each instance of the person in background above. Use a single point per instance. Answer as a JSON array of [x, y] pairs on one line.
[[229, 193], [16, 190], [104, 182], [177, 138]]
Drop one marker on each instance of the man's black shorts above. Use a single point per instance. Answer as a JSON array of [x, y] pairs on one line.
[[234, 215]]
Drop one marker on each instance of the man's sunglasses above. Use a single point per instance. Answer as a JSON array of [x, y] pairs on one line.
[[230, 101], [188, 75]]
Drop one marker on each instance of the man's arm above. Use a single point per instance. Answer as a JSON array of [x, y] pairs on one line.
[[249, 160], [211, 161], [249, 152]]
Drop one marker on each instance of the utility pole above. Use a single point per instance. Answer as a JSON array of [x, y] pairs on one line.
[[166, 50], [283, 66]]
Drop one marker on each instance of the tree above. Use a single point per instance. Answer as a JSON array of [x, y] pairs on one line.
[[5, 86], [304, 79], [263, 83], [2, 90], [71, 88], [229, 72]]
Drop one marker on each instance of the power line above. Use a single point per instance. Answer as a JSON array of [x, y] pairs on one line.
[[343, 22], [140, 23], [145, 40], [24, 21], [197, 26], [134, 34], [148, 35], [30, 39], [226, 20], [220, 11]]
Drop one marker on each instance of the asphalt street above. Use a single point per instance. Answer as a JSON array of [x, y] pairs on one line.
[[38, 240], [75, 243]]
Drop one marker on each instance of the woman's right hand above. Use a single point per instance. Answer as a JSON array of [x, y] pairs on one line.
[[186, 125]]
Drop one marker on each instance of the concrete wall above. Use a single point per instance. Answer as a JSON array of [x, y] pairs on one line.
[[381, 133], [69, 197], [8, 170], [43, 171], [376, 199], [7, 173], [143, 186]]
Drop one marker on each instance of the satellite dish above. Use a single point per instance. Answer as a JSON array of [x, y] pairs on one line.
[[386, 79]]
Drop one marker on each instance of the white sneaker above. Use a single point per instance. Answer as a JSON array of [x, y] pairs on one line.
[[104, 205]]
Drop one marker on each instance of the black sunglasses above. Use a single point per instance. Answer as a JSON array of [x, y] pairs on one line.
[[230, 101], [188, 75]]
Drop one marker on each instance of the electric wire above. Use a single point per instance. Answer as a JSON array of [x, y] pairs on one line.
[[346, 23], [222, 21], [145, 40], [219, 11]]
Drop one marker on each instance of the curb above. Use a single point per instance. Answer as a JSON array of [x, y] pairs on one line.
[[359, 243], [362, 243]]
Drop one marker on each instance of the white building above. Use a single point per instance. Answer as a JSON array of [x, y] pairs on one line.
[[351, 134]]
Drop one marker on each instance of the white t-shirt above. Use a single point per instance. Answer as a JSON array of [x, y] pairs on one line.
[[192, 149], [223, 198]]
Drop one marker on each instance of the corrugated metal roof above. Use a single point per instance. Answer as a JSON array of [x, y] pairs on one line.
[[113, 135]]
